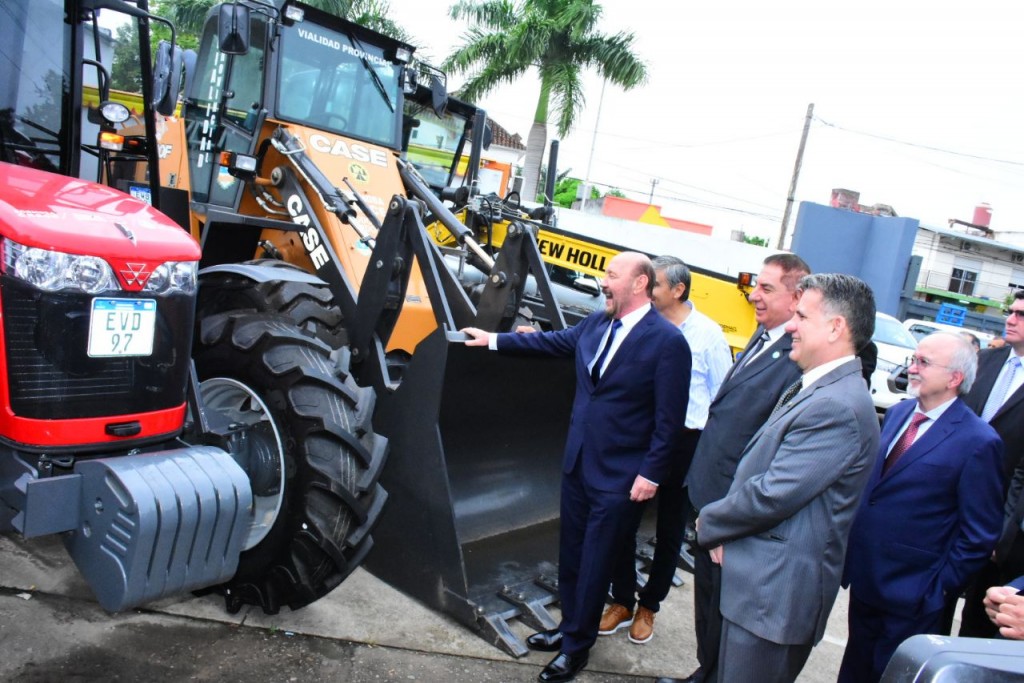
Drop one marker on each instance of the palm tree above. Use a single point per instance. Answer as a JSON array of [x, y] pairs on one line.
[[559, 39]]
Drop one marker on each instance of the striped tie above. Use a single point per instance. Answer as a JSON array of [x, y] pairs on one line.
[[1001, 391]]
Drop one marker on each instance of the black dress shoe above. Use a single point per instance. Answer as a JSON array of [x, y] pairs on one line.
[[563, 668], [545, 641]]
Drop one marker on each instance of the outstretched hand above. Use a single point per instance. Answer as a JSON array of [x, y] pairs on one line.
[[477, 337]]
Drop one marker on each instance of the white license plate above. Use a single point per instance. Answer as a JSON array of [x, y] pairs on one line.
[[121, 327]]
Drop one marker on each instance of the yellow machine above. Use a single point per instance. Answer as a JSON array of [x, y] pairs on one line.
[[578, 249]]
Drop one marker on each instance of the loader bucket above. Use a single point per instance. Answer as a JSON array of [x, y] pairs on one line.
[[471, 527]]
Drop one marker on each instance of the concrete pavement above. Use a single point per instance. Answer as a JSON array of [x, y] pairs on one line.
[[51, 629]]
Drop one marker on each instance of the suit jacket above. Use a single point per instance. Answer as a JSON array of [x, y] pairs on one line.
[[1009, 419], [785, 521], [927, 526], [629, 422], [743, 403]]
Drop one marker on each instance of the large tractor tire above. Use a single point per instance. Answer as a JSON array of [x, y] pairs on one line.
[[310, 306], [311, 453]]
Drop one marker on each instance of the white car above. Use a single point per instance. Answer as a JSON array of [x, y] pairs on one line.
[[922, 328], [894, 345]]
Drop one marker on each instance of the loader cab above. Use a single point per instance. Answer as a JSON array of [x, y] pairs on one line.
[[296, 66]]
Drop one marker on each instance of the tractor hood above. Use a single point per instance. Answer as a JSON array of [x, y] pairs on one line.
[[50, 211]]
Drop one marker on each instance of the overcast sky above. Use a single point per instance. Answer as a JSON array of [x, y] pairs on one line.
[[917, 105]]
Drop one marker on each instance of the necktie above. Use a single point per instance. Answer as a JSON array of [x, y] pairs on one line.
[[755, 349], [997, 397], [595, 370], [905, 441], [788, 395]]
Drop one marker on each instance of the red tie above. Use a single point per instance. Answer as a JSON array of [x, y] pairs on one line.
[[904, 442]]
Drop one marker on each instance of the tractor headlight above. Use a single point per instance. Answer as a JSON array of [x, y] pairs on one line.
[[54, 271], [173, 277]]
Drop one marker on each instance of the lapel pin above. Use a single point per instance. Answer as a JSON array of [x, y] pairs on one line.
[[776, 355]]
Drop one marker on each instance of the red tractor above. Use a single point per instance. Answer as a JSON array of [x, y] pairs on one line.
[[236, 454]]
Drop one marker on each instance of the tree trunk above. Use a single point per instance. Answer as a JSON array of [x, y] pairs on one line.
[[536, 141]]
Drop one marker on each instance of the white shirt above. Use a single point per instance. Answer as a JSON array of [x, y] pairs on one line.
[[711, 359], [933, 415], [1018, 379], [814, 374], [629, 321]]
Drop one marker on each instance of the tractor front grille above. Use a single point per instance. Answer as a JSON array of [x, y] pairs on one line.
[[50, 375]]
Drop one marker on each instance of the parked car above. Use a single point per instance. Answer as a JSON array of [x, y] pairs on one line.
[[895, 343], [922, 328]]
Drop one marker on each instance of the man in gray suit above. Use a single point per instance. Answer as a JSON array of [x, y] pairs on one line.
[[746, 398], [780, 534]]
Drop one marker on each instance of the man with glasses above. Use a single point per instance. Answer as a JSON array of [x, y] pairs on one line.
[[930, 514], [998, 398]]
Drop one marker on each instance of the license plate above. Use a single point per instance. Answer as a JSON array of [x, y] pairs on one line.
[[121, 327]]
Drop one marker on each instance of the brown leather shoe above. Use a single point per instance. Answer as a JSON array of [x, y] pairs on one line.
[[642, 629], [615, 617]]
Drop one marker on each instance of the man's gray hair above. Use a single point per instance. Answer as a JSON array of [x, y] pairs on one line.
[[963, 360], [675, 271], [846, 296]]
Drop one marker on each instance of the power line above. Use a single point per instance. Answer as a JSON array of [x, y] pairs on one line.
[[918, 145]]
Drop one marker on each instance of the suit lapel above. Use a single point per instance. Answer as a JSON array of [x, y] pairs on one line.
[[735, 377], [894, 421], [935, 435], [631, 340], [988, 370]]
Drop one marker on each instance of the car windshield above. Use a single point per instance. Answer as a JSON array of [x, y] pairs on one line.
[[889, 331]]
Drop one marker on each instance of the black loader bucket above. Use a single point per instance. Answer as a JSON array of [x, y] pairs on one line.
[[471, 526]]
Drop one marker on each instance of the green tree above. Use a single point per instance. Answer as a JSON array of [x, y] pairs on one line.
[[124, 72], [557, 37], [566, 190], [615, 192], [753, 239]]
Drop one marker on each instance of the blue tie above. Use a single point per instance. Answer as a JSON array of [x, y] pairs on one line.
[[595, 370]]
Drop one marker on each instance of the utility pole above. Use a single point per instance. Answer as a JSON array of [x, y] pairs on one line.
[[796, 176], [654, 181], [593, 144]]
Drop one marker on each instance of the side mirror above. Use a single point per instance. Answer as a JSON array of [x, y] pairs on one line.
[[167, 77], [233, 29]]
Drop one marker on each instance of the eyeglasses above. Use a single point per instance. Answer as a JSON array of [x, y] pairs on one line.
[[1014, 312], [924, 363]]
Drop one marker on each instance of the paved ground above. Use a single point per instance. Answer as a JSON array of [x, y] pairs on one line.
[[52, 630]]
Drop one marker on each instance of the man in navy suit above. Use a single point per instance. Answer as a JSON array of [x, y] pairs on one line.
[[632, 383], [930, 514]]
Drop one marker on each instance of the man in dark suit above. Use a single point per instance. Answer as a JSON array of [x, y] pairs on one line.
[[930, 514], [632, 382], [743, 403], [998, 397], [780, 534]]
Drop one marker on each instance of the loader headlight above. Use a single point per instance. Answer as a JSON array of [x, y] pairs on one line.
[[54, 271], [173, 277]]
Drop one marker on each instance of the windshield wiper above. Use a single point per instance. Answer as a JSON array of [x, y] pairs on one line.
[[358, 46]]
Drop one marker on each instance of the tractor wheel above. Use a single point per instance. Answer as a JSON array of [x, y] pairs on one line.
[[310, 452], [310, 306]]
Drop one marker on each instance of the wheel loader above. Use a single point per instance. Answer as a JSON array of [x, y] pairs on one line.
[[287, 154]]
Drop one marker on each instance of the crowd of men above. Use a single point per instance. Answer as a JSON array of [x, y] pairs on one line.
[[779, 462]]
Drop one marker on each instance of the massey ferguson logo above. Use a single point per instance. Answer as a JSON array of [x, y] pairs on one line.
[[135, 275]]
